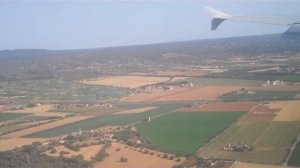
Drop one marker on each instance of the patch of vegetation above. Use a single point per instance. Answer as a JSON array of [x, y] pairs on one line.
[[102, 153], [30, 156], [56, 90], [184, 133]]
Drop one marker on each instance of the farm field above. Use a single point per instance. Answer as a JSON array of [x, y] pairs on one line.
[[260, 96], [102, 121], [180, 94], [269, 139], [184, 133], [137, 110], [43, 110], [135, 159], [294, 87], [294, 159], [126, 81], [278, 135], [46, 126], [182, 73], [287, 78], [224, 106], [36, 110], [234, 134], [10, 116], [249, 118], [290, 110], [225, 82], [254, 165]]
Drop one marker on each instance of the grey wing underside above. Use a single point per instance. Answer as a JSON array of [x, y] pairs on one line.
[[218, 17]]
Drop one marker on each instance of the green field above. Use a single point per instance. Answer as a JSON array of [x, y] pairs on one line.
[[265, 77], [96, 122], [279, 135], [11, 116], [295, 158], [225, 82], [271, 141], [260, 96], [235, 134], [185, 133], [291, 78]]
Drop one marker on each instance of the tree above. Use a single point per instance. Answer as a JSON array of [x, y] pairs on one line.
[[123, 159]]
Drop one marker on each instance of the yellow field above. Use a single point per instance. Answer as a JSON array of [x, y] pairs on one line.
[[253, 165], [138, 110], [42, 110], [11, 143], [290, 110], [43, 127], [86, 152], [135, 159], [126, 81], [39, 109]]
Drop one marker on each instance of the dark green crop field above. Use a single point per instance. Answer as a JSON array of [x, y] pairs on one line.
[[11, 116], [184, 133], [295, 158]]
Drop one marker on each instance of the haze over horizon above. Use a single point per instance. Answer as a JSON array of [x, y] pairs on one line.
[[77, 25]]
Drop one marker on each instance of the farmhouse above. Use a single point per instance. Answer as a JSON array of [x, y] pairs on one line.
[[274, 83], [237, 148]]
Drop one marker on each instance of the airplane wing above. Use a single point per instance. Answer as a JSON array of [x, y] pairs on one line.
[[218, 17]]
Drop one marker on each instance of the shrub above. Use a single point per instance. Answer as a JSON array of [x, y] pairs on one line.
[[122, 159]]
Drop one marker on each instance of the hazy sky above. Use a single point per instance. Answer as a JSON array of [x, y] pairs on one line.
[[90, 24]]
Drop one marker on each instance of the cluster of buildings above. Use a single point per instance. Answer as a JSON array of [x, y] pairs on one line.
[[167, 87], [274, 83], [237, 148]]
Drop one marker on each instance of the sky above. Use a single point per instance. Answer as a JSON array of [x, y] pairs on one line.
[[93, 24]]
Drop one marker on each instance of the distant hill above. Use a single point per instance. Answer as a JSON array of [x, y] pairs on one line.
[[47, 62]]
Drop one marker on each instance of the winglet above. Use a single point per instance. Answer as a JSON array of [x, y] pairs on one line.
[[218, 17]]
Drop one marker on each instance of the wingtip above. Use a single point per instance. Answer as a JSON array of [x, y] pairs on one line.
[[216, 13]]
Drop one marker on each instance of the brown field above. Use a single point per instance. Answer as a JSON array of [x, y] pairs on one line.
[[175, 79], [5, 107], [138, 110], [290, 110], [11, 143], [43, 127], [126, 81], [180, 94], [135, 159], [86, 152], [253, 165], [264, 109], [39, 109], [42, 110], [221, 106], [252, 117]]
